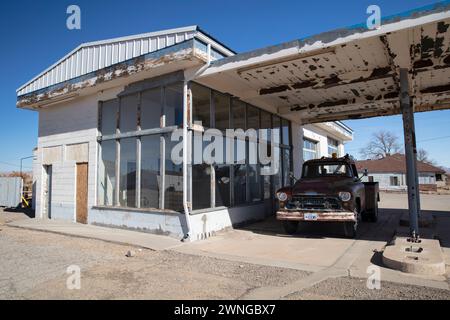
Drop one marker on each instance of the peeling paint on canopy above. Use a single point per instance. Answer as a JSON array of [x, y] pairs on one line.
[[349, 73]]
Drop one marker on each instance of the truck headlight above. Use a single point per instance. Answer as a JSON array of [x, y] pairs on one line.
[[345, 196], [282, 196]]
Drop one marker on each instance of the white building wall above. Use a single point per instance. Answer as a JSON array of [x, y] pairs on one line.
[[60, 127], [319, 135]]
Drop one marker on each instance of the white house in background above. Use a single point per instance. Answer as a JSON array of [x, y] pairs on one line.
[[390, 173], [106, 112]]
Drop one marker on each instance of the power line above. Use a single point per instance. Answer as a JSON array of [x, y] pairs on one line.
[[433, 139], [13, 165]]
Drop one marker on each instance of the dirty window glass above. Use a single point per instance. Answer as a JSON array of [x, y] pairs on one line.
[[173, 194], [174, 105], [107, 174], [316, 170], [150, 174], [127, 191], [222, 111], [128, 113], [151, 109], [109, 112], [201, 107]]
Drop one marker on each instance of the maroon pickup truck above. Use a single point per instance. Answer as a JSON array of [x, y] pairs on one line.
[[329, 190]]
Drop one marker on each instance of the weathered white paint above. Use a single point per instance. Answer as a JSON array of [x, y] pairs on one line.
[[93, 56]]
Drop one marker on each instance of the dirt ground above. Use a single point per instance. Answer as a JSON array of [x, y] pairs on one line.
[[33, 265]]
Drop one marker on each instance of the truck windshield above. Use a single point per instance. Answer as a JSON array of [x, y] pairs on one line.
[[316, 170]]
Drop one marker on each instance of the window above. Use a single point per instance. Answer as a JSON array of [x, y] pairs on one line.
[[109, 117], [128, 113], [107, 173], [151, 109], [317, 170], [221, 111], [394, 181], [201, 107], [173, 192], [201, 186], [127, 190], [439, 177], [309, 149], [333, 147], [238, 109], [150, 171], [286, 166], [143, 188], [286, 139], [174, 105]]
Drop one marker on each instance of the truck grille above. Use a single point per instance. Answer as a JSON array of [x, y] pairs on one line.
[[310, 202]]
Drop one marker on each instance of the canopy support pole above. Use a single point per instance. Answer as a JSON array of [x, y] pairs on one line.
[[407, 107]]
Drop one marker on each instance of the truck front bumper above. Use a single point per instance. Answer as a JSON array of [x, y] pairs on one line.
[[316, 215]]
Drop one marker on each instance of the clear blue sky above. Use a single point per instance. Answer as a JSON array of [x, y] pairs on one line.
[[34, 36]]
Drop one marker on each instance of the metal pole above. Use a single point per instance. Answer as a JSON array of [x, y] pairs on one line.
[[407, 108]]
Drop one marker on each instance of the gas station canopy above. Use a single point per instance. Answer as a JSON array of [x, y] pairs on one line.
[[350, 73]]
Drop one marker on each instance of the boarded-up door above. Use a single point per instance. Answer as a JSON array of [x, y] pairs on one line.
[[82, 186]]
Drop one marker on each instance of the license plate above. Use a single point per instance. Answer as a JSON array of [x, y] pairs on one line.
[[310, 216]]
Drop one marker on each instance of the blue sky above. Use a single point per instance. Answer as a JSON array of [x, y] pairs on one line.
[[34, 36]]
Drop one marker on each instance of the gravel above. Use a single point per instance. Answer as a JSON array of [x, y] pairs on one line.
[[355, 289]]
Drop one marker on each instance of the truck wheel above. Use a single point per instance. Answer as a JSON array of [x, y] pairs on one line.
[[350, 229], [290, 227]]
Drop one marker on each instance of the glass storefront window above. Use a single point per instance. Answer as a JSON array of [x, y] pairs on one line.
[[127, 190], [201, 107], [109, 115], [150, 171], [128, 113], [151, 108], [173, 109], [173, 192], [107, 174]]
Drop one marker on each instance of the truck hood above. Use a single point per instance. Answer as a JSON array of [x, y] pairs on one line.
[[324, 185]]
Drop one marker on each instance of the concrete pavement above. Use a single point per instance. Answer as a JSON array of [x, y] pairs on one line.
[[113, 235]]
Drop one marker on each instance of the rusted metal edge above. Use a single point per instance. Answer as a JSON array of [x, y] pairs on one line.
[[178, 52]]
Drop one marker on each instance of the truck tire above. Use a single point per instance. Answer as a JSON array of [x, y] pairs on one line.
[[350, 229], [290, 227]]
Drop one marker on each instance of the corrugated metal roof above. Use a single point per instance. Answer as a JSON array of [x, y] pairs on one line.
[[347, 73], [93, 56]]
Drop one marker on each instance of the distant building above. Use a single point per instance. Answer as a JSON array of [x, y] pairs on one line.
[[390, 172]]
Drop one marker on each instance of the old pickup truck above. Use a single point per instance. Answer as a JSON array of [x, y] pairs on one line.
[[329, 190]]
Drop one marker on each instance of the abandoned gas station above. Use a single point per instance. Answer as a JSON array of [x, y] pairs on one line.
[[107, 108]]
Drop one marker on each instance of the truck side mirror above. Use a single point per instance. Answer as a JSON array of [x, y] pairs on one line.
[[366, 172]]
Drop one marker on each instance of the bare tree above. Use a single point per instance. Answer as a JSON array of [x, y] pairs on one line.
[[383, 143], [422, 155]]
